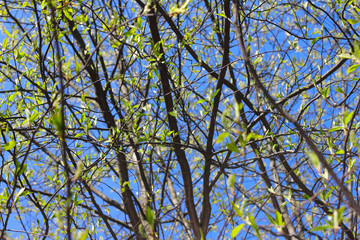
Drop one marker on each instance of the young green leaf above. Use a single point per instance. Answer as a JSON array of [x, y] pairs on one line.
[[278, 219], [237, 210], [352, 68], [150, 217], [320, 228], [314, 160], [236, 230], [348, 117], [222, 136], [339, 90], [232, 147], [9, 145], [255, 226]]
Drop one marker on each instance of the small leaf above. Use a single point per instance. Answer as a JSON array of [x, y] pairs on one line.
[[222, 137], [255, 226], [336, 128], [67, 13], [215, 93], [221, 15], [173, 113], [236, 230], [352, 68], [340, 151], [7, 33], [57, 120], [314, 160], [232, 147], [18, 196], [353, 21], [353, 139], [83, 117], [200, 101], [348, 118], [313, 41], [328, 194], [346, 55], [79, 170], [284, 203], [5, 43], [116, 44], [9, 145], [321, 227], [22, 170], [325, 92], [325, 174], [271, 190], [357, 49], [231, 180], [271, 219], [257, 60], [339, 90], [150, 217], [279, 219], [237, 210], [253, 136], [83, 235], [142, 139], [231, 183], [79, 135], [243, 205], [351, 164], [341, 213], [288, 196]]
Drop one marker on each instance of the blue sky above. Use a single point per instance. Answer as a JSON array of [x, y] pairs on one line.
[[291, 49]]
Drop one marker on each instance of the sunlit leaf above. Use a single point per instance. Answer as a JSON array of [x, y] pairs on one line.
[[236, 230], [9, 145], [222, 136]]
